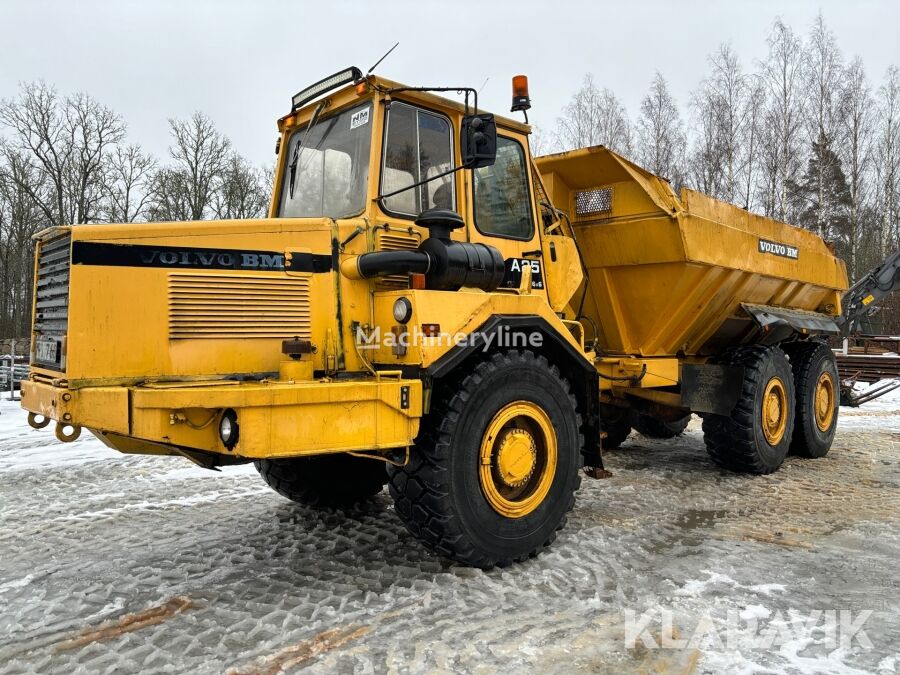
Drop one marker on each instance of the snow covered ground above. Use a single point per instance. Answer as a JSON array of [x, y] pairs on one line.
[[112, 563]]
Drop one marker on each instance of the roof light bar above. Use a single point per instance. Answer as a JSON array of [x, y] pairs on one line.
[[301, 98]]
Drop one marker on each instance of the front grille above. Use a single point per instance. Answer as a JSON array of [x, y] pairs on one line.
[[395, 240], [52, 293], [227, 306], [51, 306]]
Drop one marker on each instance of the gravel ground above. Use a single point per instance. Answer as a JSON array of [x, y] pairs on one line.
[[112, 563]]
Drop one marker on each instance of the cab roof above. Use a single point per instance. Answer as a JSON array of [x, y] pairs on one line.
[[426, 98]]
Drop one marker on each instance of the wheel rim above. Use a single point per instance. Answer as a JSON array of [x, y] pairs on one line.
[[824, 401], [774, 411], [518, 459]]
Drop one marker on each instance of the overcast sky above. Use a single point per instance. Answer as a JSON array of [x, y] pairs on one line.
[[240, 62]]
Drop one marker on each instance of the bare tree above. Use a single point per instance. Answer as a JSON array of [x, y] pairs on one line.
[[822, 79], [20, 218], [539, 142], [67, 141], [241, 191], [661, 139], [200, 154], [782, 123], [753, 133], [128, 193], [887, 163], [594, 117], [855, 151], [170, 196], [721, 111]]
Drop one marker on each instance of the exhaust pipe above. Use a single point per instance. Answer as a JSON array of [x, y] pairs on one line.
[[447, 265]]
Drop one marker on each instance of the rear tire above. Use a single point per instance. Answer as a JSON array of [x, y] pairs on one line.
[[324, 481], [653, 427], [616, 425], [756, 436], [496, 463], [817, 385]]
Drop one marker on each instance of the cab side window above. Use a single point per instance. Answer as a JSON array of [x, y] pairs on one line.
[[502, 197], [418, 145]]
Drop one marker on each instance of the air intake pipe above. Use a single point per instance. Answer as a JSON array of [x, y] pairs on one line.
[[447, 265]]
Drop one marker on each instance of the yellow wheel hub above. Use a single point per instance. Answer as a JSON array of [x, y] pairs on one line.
[[517, 459], [824, 401], [774, 411]]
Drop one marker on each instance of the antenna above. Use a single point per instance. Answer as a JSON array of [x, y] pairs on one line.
[[382, 58], [481, 88]]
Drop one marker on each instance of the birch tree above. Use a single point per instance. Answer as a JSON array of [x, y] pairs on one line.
[[822, 81], [782, 123], [887, 159], [660, 133], [855, 150], [721, 111], [594, 117]]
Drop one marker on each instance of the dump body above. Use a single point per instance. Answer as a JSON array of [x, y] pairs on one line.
[[670, 275]]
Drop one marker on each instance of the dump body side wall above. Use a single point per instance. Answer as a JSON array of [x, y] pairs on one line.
[[667, 275]]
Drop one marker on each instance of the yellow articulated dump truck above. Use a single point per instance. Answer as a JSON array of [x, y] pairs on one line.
[[430, 307]]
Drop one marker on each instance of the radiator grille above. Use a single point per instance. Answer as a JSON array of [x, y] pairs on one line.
[[224, 306], [51, 303], [52, 292], [395, 240]]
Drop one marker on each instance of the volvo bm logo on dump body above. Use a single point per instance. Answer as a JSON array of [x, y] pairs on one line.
[[774, 248]]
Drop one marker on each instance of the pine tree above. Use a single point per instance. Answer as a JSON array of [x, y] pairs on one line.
[[821, 197]]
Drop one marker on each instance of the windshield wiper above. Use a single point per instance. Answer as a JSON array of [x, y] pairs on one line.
[[296, 156]]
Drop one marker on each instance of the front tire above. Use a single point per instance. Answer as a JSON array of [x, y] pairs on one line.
[[324, 481], [496, 464], [756, 436], [817, 386]]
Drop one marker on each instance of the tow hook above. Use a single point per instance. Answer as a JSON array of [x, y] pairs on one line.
[[71, 436], [33, 421]]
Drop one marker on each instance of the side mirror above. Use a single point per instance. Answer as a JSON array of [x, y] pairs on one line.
[[478, 140]]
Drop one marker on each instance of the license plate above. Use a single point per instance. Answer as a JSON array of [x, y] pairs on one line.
[[47, 351]]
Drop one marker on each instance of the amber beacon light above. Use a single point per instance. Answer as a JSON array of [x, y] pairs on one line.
[[520, 98]]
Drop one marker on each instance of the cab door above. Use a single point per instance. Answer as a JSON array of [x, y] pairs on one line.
[[502, 211], [417, 147]]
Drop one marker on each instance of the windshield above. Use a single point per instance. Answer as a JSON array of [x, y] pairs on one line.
[[331, 171]]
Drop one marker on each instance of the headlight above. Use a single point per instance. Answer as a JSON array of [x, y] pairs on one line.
[[229, 429], [402, 310]]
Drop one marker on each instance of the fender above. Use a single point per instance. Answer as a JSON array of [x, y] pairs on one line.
[[573, 365]]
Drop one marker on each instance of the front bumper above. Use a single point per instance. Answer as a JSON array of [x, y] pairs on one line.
[[277, 419]]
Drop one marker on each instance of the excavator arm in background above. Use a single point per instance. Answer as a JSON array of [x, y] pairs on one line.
[[858, 302], [866, 293]]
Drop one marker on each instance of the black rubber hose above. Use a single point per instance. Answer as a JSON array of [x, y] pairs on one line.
[[382, 263]]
